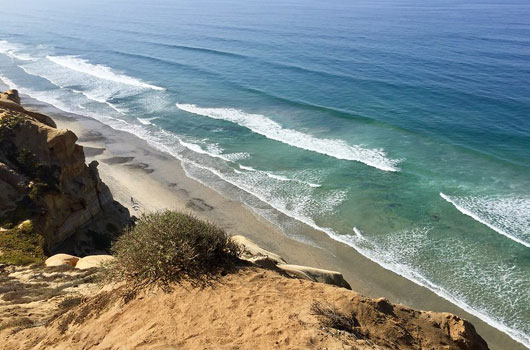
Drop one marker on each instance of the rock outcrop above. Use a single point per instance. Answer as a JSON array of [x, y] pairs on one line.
[[256, 255], [11, 95], [44, 178]]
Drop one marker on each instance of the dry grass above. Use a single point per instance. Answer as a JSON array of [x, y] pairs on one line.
[[17, 324], [331, 317]]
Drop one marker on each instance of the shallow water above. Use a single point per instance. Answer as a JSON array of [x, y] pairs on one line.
[[397, 127]]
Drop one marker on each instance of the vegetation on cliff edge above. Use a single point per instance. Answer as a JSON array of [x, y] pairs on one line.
[[21, 245], [167, 247]]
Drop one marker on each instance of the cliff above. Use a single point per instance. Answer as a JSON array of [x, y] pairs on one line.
[[47, 192]]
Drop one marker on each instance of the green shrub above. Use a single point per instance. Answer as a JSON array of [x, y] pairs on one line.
[[168, 247], [27, 162], [21, 246], [7, 124]]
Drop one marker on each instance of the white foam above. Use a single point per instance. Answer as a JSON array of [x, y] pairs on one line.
[[286, 179], [296, 208], [13, 51], [93, 89], [95, 98], [264, 126], [8, 82], [146, 121], [98, 70], [213, 151], [509, 216], [247, 168], [358, 233], [278, 177]]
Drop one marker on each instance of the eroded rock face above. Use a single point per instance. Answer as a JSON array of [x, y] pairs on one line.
[[44, 178], [11, 95], [256, 255]]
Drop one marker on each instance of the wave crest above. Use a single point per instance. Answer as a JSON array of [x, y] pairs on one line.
[[99, 71], [262, 125], [509, 216]]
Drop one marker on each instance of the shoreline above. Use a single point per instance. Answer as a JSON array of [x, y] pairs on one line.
[[144, 179]]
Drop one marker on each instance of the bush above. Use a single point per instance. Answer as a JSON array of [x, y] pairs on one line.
[[168, 247], [21, 245]]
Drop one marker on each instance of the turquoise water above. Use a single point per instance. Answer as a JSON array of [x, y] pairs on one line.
[[401, 128]]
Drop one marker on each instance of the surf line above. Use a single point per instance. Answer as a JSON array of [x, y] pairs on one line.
[[482, 221]]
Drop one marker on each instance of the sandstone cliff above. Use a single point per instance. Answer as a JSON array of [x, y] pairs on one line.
[[45, 184]]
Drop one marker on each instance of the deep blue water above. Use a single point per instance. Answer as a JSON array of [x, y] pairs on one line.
[[401, 128]]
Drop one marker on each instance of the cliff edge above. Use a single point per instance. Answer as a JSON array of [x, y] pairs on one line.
[[50, 200]]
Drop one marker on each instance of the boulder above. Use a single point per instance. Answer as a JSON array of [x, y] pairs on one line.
[[61, 259], [256, 255], [315, 275], [11, 95], [253, 253], [93, 261]]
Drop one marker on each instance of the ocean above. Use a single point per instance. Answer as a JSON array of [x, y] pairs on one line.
[[398, 127]]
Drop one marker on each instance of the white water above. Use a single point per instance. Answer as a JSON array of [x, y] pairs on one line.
[[99, 71], [509, 216], [14, 51], [264, 126], [214, 151], [280, 177]]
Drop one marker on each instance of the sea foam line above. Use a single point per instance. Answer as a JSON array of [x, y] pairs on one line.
[[215, 153], [100, 71], [12, 50], [280, 177], [483, 221], [262, 125]]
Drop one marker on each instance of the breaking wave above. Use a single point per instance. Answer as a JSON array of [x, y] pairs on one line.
[[262, 125], [509, 216]]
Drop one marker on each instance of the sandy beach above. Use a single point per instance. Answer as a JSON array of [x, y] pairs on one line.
[[145, 179]]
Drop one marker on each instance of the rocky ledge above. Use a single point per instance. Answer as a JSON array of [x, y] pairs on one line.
[[48, 195]]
